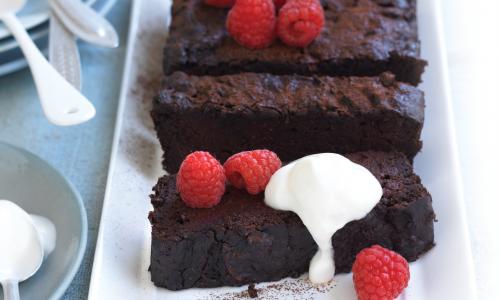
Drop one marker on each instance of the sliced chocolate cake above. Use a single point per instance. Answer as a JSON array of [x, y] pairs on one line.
[[360, 38], [241, 240], [291, 115]]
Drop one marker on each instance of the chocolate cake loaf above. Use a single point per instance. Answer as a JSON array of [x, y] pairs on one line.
[[360, 38], [242, 240], [291, 115]]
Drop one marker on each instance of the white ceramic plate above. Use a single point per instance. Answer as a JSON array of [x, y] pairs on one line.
[[11, 57], [34, 13], [121, 260]]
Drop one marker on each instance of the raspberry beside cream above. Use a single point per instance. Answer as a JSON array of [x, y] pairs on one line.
[[326, 191]]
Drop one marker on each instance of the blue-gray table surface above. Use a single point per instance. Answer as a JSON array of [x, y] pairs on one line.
[[81, 153]]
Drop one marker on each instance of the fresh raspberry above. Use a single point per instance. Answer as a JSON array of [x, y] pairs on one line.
[[220, 3], [201, 181], [279, 3], [300, 22], [252, 169], [252, 23], [380, 274]]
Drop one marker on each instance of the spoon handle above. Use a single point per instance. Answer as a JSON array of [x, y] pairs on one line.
[[10, 290], [62, 104], [85, 23], [63, 52]]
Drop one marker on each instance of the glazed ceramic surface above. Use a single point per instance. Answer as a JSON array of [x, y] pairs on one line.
[[39, 189]]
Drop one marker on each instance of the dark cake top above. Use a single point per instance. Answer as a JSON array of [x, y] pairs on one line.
[[363, 30], [393, 170], [279, 96]]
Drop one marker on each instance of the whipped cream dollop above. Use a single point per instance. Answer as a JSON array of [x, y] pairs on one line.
[[47, 233], [19, 222], [326, 191]]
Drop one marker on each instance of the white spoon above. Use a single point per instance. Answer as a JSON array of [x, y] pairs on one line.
[[62, 104], [85, 23], [21, 249]]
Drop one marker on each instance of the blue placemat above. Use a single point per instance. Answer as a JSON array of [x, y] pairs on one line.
[[81, 153]]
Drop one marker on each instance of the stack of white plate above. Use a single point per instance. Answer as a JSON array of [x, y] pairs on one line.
[[34, 16]]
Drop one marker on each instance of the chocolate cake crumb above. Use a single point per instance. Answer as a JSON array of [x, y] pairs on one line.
[[252, 292], [388, 79]]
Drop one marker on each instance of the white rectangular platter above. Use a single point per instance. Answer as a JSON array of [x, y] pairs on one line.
[[121, 261]]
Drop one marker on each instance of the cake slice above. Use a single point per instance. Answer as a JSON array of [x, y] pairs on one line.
[[243, 241], [291, 115], [360, 38]]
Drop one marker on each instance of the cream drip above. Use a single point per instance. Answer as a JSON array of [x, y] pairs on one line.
[[326, 191]]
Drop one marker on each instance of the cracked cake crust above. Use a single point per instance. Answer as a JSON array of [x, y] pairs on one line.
[[291, 115], [360, 38]]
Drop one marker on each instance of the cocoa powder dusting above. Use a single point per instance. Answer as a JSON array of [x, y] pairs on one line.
[[297, 289]]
